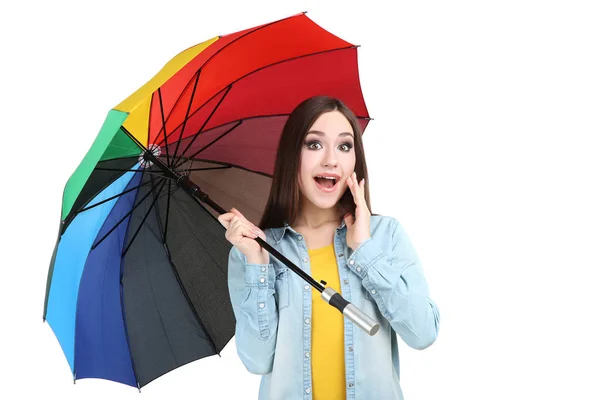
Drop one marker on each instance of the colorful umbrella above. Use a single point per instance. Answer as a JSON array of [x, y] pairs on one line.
[[137, 284]]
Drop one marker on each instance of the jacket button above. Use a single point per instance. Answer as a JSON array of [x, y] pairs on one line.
[[351, 262]]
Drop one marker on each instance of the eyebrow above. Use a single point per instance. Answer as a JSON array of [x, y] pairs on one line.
[[323, 134]]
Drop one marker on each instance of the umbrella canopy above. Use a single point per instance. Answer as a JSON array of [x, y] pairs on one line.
[[137, 284]]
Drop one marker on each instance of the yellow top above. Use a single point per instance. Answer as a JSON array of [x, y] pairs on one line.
[[328, 366]]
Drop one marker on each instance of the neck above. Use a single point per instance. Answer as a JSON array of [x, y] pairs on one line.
[[313, 217]]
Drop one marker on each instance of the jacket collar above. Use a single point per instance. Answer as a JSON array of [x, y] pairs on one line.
[[279, 233]]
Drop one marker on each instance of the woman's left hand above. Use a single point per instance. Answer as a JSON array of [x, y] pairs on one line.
[[359, 228]]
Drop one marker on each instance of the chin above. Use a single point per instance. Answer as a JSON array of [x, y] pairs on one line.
[[325, 204]]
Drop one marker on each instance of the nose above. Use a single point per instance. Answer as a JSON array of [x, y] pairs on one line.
[[329, 158]]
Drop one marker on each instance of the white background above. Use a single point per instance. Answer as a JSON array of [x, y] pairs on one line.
[[484, 146]]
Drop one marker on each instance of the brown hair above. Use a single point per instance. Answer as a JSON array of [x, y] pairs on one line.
[[284, 199]]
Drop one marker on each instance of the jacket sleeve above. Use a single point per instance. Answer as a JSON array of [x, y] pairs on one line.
[[396, 282], [252, 294]]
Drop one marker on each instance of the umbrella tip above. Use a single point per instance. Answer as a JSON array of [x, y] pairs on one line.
[[304, 12]]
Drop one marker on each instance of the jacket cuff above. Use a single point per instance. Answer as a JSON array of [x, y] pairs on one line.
[[365, 255], [259, 275]]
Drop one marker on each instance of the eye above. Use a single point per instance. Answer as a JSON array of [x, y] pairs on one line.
[[347, 146], [310, 144]]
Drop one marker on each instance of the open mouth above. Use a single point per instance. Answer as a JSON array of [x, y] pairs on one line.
[[327, 183]]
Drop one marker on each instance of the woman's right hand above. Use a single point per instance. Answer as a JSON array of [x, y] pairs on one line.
[[241, 233]]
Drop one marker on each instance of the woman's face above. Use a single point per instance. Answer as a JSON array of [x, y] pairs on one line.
[[328, 151]]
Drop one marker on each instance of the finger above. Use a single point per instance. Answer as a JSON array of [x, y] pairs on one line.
[[230, 230], [261, 234], [225, 219], [362, 189], [234, 225], [235, 232], [245, 228]]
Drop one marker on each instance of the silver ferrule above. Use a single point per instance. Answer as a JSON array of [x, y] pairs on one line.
[[362, 320], [327, 294]]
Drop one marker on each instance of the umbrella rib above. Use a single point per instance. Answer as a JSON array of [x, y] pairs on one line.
[[160, 174], [259, 69], [179, 162], [118, 169], [117, 158], [203, 125], [158, 219], [145, 217], [167, 215], [162, 114], [207, 168], [120, 221], [187, 116], [232, 166], [111, 198]]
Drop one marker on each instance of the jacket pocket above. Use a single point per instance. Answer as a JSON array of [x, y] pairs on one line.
[[282, 287]]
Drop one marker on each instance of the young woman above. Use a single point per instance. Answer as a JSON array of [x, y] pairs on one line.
[[318, 216]]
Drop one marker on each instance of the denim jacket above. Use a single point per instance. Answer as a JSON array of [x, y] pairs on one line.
[[272, 305]]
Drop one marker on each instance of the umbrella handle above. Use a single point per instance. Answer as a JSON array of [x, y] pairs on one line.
[[362, 320]]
